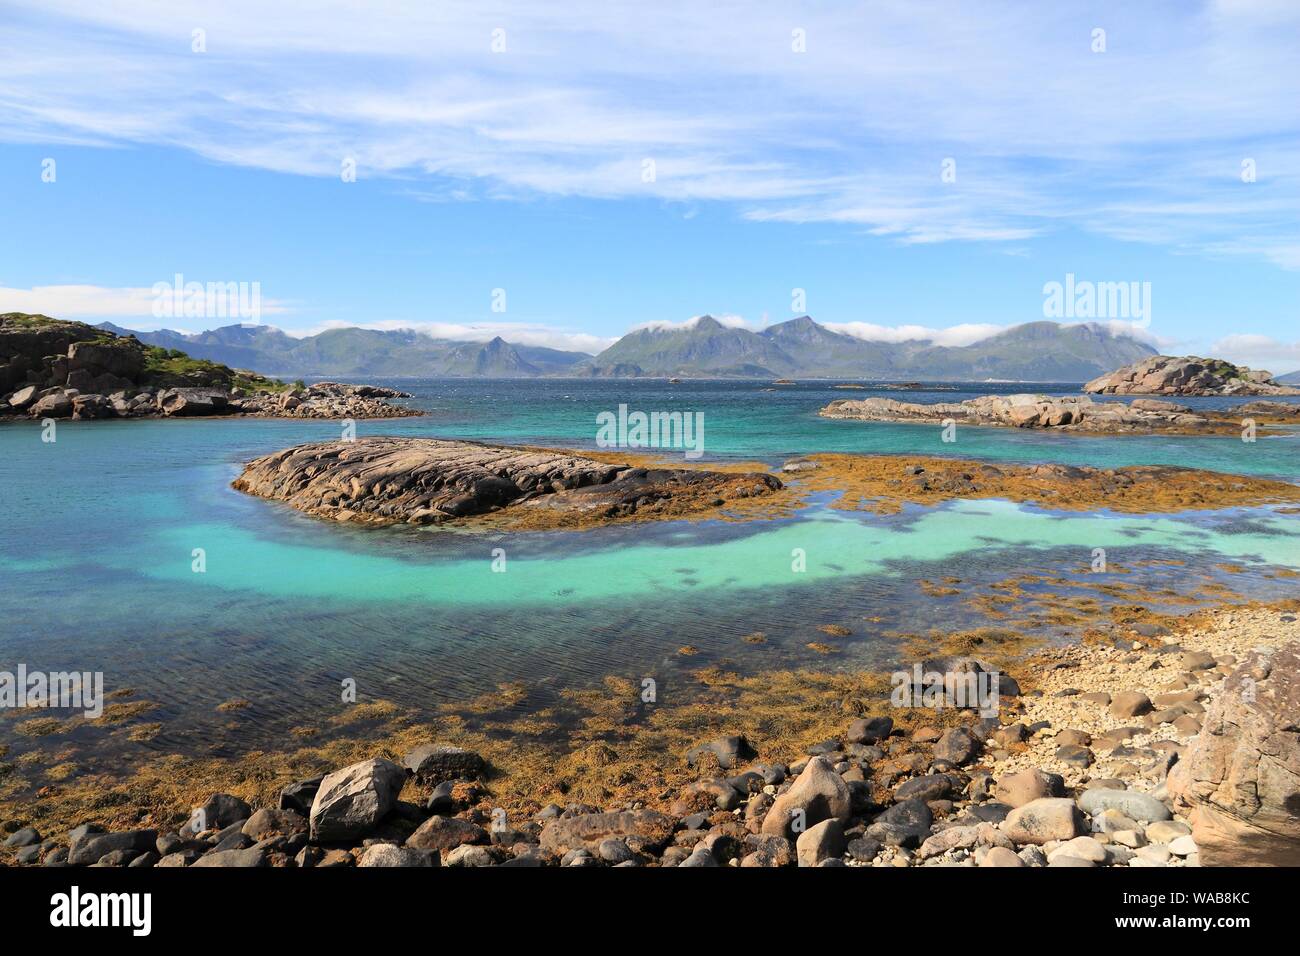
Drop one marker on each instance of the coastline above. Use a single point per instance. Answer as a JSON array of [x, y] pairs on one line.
[[624, 758]]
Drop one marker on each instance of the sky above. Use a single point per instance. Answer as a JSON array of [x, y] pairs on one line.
[[561, 173]]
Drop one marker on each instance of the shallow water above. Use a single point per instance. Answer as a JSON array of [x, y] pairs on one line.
[[100, 527]]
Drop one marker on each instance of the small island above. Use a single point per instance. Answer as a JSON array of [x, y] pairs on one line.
[[1066, 414], [424, 481], [1187, 375], [50, 368]]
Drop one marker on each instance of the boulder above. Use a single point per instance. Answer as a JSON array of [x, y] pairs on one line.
[[1136, 806], [435, 763], [353, 800], [1240, 776], [589, 830], [445, 834], [268, 822], [24, 396], [957, 745], [221, 810], [1129, 703], [727, 751], [870, 730], [186, 402], [57, 404], [1018, 789], [299, 796], [254, 856], [817, 794], [904, 824], [1001, 857], [87, 849], [386, 854], [1043, 820], [821, 842], [27, 836], [770, 851]]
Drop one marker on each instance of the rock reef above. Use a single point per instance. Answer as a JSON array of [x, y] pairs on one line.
[[1069, 413], [886, 482], [1187, 375], [430, 481]]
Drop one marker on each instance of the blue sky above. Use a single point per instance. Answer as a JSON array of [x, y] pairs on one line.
[[794, 146]]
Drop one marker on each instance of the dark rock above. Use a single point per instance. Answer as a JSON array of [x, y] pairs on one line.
[[221, 810], [88, 848], [904, 824], [870, 730], [930, 787], [727, 751], [589, 830], [435, 763], [445, 834], [957, 745], [300, 795], [24, 837]]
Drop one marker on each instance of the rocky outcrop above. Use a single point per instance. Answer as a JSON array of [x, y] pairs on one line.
[[1073, 413], [1187, 375], [54, 369], [1241, 776], [429, 481]]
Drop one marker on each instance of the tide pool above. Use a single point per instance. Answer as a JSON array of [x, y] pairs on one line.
[[100, 530]]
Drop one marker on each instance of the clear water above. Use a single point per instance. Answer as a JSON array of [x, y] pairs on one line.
[[99, 530]]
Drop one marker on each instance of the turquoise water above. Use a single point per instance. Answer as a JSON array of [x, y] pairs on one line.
[[100, 528]]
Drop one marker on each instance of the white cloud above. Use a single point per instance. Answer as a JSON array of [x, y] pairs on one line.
[[1258, 351], [956, 335], [96, 302], [725, 319], [1044, 133]]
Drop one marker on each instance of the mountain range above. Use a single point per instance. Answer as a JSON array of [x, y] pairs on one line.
[[401, 353], [701, 348]]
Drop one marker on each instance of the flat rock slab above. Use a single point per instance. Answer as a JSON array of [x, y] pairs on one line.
[[429, 481]]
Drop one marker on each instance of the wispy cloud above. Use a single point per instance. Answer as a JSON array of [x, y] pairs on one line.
[[712, 103], [1259, 351], [91, 302]]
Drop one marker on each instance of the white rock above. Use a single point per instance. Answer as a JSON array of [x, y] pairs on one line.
[[1182, 846]]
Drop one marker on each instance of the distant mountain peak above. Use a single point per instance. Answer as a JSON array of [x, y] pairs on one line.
[[1040, 351]]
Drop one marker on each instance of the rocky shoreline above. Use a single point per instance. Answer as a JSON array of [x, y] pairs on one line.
[[423, 481], [1141, 747], [54, 369], [1067, 414], [331, 400]]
